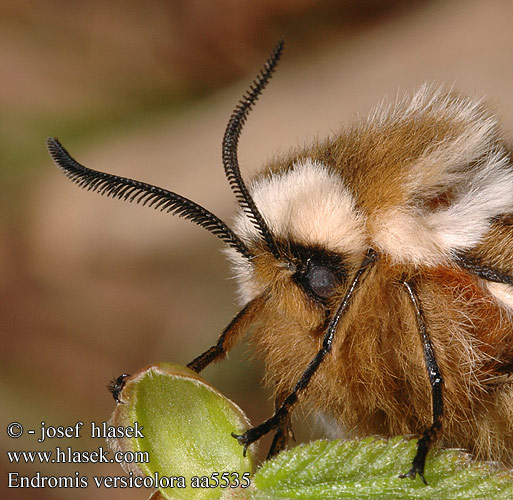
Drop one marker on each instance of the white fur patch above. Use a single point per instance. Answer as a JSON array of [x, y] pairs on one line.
[[487, 193], [309, 205], [473, 164], [404, 236]]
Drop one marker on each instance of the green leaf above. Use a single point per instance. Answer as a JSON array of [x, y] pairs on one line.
[[369, 468], [187, 427]]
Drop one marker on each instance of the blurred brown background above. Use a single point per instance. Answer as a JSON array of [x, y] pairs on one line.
[[91, 287]]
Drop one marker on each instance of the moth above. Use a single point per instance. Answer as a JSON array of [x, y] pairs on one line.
[[375, 271]]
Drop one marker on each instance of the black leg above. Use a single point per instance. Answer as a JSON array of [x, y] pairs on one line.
[[485, 272], [229, 336], [255, 433], [435, 378]]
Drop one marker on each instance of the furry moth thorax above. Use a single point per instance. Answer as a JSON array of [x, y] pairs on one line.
[[375, 271]]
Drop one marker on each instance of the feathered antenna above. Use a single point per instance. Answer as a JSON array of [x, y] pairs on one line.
[[231, 142], [145, 194]]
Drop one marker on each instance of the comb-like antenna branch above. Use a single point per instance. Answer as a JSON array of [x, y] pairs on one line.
[[231, 142], [146, 194]]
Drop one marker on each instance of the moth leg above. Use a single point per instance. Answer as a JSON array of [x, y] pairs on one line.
[[436, 381], [282, 413], [116, 386], [283, 432], [229, 337], [485, 272]]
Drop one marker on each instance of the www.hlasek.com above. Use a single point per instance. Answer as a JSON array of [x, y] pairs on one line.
[[100, 455]]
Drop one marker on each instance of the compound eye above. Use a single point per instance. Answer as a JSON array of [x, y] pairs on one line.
[[321, 280]]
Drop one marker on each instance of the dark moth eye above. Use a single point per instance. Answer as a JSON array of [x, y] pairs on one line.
[[321, 280]]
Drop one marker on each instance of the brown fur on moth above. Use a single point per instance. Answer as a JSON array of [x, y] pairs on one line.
[[375, 270]]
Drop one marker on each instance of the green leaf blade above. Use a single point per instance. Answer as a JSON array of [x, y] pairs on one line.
[[369, 469], [187, 428]]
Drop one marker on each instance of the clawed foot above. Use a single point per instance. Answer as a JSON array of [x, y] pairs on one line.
[[255, 433], [419, 462], [247, 438], [412, 474]]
